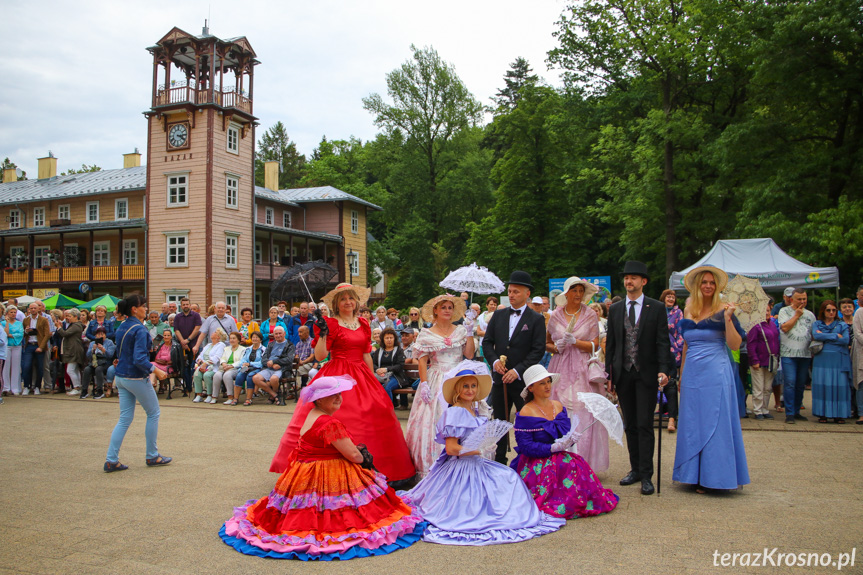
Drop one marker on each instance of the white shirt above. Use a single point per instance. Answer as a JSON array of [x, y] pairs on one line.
[[32, 338], [795, 343], [639, 304], [514, 318]]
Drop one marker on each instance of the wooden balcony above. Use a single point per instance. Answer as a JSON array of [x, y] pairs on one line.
[[190, 95], [76, 274]]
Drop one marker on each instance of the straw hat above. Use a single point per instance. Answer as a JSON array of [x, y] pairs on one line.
[[589, 290], [534, 374], [326, 386], [427, 311], [360, 293], [466, 368], [720, 276]]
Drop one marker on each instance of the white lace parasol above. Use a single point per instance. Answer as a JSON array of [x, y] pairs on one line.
[[749, 299], [605, 413], [486, 435], [473, 278]]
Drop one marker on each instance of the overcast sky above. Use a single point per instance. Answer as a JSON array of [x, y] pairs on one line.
[[76, 77]]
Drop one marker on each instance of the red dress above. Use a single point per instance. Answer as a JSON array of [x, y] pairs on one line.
[[366, 409]]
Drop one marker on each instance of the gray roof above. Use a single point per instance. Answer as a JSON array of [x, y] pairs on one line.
[[269, 194], [321, 194], [90, 183], [109, 225]]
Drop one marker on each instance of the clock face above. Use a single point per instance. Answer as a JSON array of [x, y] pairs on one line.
[[178, 135]]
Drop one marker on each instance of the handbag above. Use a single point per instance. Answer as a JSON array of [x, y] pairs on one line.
[[815, 347], [773, 362], [595, 370]]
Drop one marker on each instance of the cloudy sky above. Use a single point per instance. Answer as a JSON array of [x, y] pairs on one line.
[[76, 76]]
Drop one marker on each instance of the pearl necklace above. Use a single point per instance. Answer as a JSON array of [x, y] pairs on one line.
[[544, 414]]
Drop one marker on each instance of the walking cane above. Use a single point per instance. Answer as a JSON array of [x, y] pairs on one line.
[[659, 448], [505, 400]]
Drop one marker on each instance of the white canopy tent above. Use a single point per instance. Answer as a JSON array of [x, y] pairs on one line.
[[762, 259]]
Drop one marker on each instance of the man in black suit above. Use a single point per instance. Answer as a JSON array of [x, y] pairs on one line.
[[638, 359], [518, 333]]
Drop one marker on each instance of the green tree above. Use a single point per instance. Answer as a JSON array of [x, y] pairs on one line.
[[517, 77], [275, 145], [83, 170]]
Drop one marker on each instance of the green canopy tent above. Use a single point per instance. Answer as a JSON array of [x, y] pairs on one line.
[[107, 300], [61, 301]]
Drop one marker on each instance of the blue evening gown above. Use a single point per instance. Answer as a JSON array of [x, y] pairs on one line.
[[710, 449], [472, 500]]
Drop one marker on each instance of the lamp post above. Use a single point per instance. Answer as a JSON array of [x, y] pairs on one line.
[[352, 256]]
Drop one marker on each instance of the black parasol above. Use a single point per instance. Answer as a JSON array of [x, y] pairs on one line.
[[299, 280]]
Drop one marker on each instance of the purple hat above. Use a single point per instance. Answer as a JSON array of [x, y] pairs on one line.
[[326, 386]]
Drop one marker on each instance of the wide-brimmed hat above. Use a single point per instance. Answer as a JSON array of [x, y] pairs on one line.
[[589, 289], [534, 374], [521, 278], [633, 267], [466, 368], [326, 386], [720, 276], [360, 293], [427, 311]]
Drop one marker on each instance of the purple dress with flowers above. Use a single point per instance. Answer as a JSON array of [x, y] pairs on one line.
[[562, 483]]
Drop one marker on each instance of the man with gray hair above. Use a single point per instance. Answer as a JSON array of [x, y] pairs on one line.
[[278, 358], [220, 319], [795, 335]]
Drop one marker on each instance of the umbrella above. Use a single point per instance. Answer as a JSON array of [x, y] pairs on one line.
[[604, 412], [300, 279], [107, 300], [25, 300], [750, 299], [473, 278], [61, 301]]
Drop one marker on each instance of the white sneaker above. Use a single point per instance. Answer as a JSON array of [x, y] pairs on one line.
[[227, 401], [26, 391], [210, 400], [100, 396], [37, 392], [197, 399], [74, 392]]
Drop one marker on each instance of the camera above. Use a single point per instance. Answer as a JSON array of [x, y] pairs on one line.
[[100, 340]]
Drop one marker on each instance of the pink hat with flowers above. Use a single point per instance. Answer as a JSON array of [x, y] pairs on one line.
[[326, 386]]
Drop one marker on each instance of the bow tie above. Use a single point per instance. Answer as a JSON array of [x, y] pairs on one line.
[[514, 311]]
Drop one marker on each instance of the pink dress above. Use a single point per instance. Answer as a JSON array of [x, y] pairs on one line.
[[571, 364]]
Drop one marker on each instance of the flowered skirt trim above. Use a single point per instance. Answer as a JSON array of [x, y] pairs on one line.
[[564, 485]]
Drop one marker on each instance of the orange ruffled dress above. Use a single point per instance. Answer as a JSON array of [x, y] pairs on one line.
[[366, 409], [324, 507]]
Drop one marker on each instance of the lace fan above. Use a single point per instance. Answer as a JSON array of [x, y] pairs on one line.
[[486, 435]]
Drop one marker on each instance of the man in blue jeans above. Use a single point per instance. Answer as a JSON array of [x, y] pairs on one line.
[[795, 334]]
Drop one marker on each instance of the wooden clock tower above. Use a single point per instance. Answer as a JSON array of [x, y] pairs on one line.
[[200, 170]]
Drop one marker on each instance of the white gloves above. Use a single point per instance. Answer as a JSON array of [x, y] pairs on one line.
[[565, 442], [567, 339], [424, 392], [469, 322]]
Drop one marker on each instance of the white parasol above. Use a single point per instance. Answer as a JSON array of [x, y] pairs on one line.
[[604, 412], [749, 298], [473, 278]]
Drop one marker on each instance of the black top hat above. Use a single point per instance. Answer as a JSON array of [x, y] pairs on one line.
[[521, 278], [633, 267]]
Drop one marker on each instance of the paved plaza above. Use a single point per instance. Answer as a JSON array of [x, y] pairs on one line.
[[62, 514]]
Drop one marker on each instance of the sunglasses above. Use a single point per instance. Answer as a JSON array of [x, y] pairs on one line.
[[414, 314], [830, 309]]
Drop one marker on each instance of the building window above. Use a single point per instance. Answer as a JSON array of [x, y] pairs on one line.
[[355, 222], [269, 216], [177, 245], [230, 251], [355, 264], [16, 256], [231, 300], [259, 253], [39, 217], [15, 219], [130, 252], [175, 295], [92, 211], [121, 209], [63, 212], [286, 219], [234, 139], [288, 253], [42, 256], [259, 305], [102, 253], [232, 186], [178, 191]]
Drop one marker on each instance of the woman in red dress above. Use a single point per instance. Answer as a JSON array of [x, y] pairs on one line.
[[367, 411]]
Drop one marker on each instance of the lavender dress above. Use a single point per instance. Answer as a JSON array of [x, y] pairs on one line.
[[471, 500], [562, 483]]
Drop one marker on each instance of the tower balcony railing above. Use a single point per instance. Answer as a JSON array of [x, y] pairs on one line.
[[226, 98]]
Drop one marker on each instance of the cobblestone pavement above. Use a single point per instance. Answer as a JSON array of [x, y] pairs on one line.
[[62, 514]]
